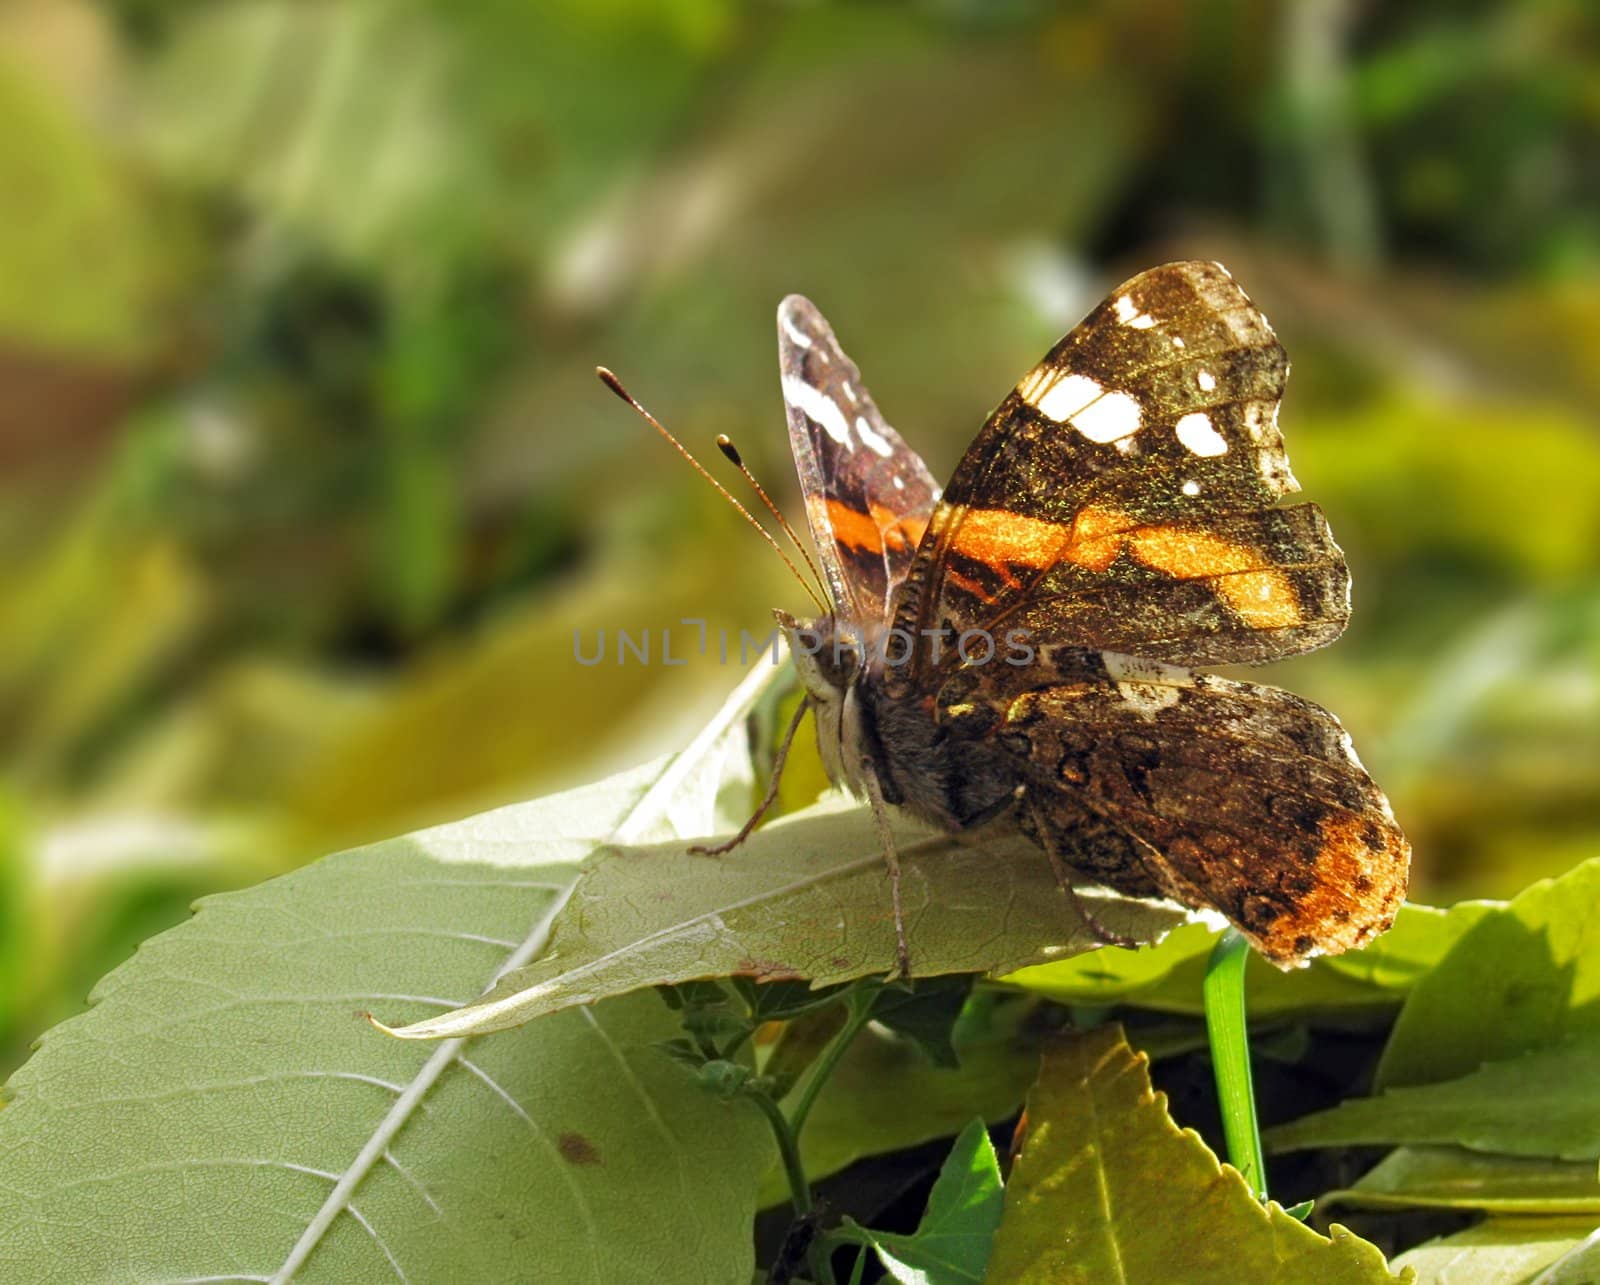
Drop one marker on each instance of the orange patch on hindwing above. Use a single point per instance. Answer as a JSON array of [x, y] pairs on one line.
[[1361, 880]]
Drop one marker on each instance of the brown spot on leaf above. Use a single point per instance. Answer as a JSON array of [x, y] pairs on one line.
[[576, 1149]]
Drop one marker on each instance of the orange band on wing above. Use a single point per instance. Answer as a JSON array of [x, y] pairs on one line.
[[1259, 595], [871, 531]]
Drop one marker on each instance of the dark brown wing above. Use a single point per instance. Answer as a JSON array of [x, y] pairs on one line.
[[868, 495], [1121, 496], [1240, 798]]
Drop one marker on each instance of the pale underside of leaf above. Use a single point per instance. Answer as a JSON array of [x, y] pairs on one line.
[[806, 897], [1455, 1178], [223, 1111], [1500, 1251]]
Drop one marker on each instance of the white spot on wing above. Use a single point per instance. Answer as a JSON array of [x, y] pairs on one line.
[[899, 482], [1138, 669], [817, 406], [1177, 341], [1033, 383], [1098, 415], [1148, 685], [1068, 396], [849, 392], [796, 335], [1148, 698], [874, 439], [1207, 381], [1113, 416], [1198, 436], [1191, 487], [1129, 315]]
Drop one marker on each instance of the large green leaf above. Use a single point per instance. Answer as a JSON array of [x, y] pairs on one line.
[[224, 1110], [805, 897], [1108, 1188], [1524, 976], [1455, 1178], [1540, 1104], [1501, 1251]]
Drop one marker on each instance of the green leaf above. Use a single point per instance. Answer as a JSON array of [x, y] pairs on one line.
[[1455, 1178], [72, 197], [1420, 938], [1168, 977], [925, 1012], [805, 897], [780, 1001], [224, 1109], [1108, 1188], [1526, 975], [1580, 1265], [1501, 1251], [1540, 1104], [951, 1243]]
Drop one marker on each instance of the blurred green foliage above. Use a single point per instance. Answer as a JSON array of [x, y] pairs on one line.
[[306, 483]]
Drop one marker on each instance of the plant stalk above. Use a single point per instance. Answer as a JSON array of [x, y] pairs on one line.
[[1230, 1058], [860, 1000], [789, 1151]]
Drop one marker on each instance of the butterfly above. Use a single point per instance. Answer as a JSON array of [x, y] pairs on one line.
[[1022, 648]]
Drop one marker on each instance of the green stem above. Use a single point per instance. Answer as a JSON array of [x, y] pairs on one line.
[[789, 1150], [1230, 1058], [860, 1001]]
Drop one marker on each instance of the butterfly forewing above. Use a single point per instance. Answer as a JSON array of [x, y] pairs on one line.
[[868, 495], [1121, 496]]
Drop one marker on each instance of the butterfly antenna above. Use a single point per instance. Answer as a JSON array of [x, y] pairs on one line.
[[731, 454], [615, 385]]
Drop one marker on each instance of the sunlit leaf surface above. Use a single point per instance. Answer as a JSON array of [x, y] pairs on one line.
[[1108, 1188], [1455, 1178], [1538, 1104]]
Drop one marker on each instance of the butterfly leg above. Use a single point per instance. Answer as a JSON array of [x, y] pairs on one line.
[[1064, 879], [891, 857], [771, 796]]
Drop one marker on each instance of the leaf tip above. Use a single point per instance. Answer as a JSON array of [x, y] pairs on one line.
[[396, 1032]]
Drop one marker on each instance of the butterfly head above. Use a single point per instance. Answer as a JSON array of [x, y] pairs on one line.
[[828, 656], [831, 658]]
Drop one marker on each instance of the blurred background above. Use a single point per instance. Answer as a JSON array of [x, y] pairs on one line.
[[306, 481]]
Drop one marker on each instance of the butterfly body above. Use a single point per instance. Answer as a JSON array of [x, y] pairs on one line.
[[1021, 649]]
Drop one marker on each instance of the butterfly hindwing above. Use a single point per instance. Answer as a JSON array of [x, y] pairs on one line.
[[1121, 496], [868, 495], [1227, 795]]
